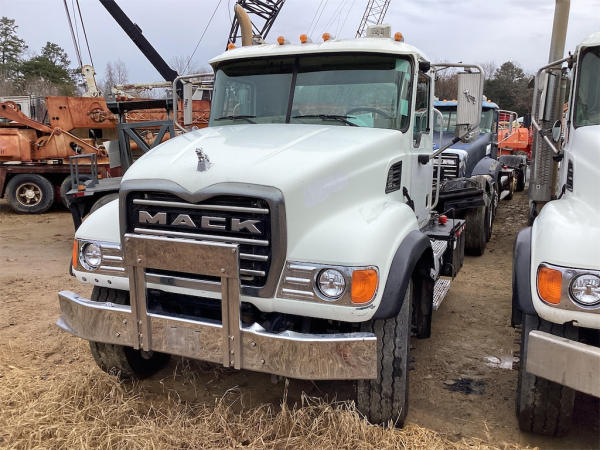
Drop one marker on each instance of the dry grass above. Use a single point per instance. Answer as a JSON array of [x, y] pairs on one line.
[[80, 407]]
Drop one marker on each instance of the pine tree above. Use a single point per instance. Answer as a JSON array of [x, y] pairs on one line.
[[11, 49]]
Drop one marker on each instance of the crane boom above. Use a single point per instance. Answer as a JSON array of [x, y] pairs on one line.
[[374, 14], [262, 12]]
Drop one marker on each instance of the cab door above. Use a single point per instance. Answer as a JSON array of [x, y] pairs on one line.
[[422, 176]]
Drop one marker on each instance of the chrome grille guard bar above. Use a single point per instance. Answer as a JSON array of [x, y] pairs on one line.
[[288, 353]]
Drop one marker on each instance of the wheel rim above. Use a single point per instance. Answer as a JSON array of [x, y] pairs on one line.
[[29, 194]]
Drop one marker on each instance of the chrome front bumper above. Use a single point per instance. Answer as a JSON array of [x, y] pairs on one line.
[[288, 353], [564, 361]]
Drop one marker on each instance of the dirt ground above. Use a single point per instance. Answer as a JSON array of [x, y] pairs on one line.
[[462, 385]]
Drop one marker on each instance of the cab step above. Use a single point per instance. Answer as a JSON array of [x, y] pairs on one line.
[[441, 288]]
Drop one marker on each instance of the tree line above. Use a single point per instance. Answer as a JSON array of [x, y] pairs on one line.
[[508, 86], [23, 72]]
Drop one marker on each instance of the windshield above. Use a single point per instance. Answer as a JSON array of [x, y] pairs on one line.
[[345, 90], [587, 106], [449, 121]]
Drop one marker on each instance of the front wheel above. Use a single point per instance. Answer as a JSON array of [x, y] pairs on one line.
[[30, 193], [125, 362], [385, 399], [543, 406]]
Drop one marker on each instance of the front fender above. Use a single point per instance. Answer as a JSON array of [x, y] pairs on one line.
[[102, 225], [367, 235], [487, 166], [521, 281]]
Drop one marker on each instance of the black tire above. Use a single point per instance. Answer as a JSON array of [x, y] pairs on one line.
[[543, 406], [105, 199], [511, 189], [65, 187], [125, 362], [385, 399], [521, 178], [478, 230], [30, 193]]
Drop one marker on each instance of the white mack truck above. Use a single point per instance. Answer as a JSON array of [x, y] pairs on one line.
[[296, 235], [556, 271]]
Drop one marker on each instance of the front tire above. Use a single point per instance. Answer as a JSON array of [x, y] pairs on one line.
[[521, 178], [30, 193], [125, 362], [543, 406], [385, 399]]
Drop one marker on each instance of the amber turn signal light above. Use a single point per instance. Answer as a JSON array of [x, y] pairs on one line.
[[280, 40], [364, 285], [549, 282], [303, 38], [230, 46], [326, 37], [75, 255]]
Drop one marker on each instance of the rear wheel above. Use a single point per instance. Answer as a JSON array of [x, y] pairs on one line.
[[30, 193], [543, 406], [119, 360], [65, 187], [385, 399], [521, 178]]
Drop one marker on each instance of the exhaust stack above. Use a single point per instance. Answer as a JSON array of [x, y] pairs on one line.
[[543, 167], [245, 25]]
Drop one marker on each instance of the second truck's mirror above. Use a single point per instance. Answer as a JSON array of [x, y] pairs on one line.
[[468, 108]]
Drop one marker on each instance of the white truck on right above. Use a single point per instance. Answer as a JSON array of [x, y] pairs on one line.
[[556, 271]]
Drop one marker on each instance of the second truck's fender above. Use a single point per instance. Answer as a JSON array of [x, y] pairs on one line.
[[487, 166], [414, 246], [521, 282]]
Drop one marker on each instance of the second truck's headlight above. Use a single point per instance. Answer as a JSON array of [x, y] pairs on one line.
[[90, 256], [331, 283], [585, 289]]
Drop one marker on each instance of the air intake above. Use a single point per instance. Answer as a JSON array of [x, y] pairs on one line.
[[394, 178]]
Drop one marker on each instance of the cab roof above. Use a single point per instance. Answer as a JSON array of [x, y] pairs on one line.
[[453, 103], [365, 45]]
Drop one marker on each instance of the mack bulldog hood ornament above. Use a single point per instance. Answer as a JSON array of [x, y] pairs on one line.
[[203, 160]]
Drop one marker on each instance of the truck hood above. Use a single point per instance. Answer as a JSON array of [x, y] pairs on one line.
[[279, 155]]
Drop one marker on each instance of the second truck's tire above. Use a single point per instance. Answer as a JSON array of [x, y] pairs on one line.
[[125, 362], [65, 187], [105, 199], [521, 178], [385, 399], [30, 193], [477, 231], [543, 406]]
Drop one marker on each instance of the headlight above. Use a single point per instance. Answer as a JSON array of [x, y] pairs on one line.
[[585, 289], [90, 256], [331, 283]]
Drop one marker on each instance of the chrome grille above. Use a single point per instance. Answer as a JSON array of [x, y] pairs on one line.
[[213, 219], [449, 166]]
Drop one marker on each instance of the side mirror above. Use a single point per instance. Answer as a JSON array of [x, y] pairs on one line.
[[556, 131], [468, 108], [527, 120], [549, 94]]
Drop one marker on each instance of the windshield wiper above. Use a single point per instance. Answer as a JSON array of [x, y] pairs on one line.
[[327, 117], [234, 117]]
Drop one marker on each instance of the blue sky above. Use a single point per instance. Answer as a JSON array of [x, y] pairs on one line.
[[468, 30]]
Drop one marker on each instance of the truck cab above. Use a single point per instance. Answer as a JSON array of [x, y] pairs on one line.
[[556, 271], [472, 180], [295, 235]]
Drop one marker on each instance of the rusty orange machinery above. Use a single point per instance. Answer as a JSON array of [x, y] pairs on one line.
[[25, 139], [70, 113], [519, 140]]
